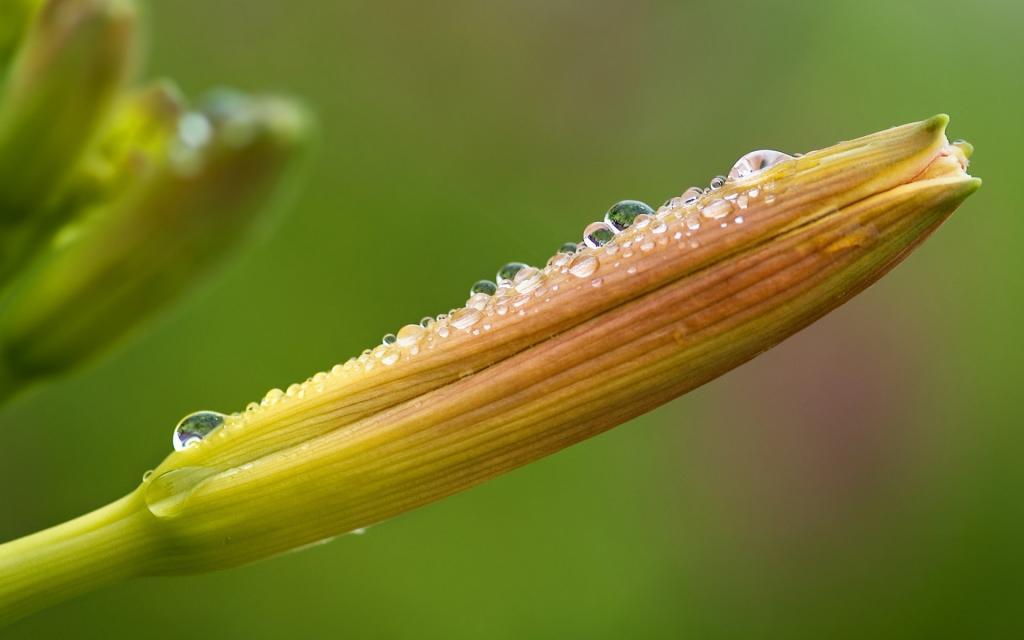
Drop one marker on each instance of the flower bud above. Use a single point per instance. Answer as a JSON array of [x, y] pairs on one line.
[[555, 355], [73, 60], [132, 254]]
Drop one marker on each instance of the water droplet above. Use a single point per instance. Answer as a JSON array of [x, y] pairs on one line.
[[739, 220], [691, 195], [597, 234], [568, 247], [194, 130], [622, 214], [388, 339], [465, 318], [717, 182], [146, 476], [390, 357], [716, 209], [509, 271], [527, 280], [583, 266], [272, 397], [483, 286], [559, 260], [426, 322], [194, 427], [769, 198], [478, 301], [596, 282], [756, 161], [409, 335]]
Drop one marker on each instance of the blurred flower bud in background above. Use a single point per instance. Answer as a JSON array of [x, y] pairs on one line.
[[115, 201]]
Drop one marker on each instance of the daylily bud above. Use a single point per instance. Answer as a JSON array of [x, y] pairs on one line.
[[131, 256], [133, 144], [75, 57], [655, 305], [558, 354]]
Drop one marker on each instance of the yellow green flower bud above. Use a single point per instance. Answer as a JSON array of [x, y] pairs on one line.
[[143, 243], [73, 60], [650, 305]]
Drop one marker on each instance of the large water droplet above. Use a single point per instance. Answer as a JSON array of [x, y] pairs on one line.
[[622, 214], [756, 161], [597, 234], [194, 427], [483, 286], [509, 271]]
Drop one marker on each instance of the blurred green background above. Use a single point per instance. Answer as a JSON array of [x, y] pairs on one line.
[[863, 479]]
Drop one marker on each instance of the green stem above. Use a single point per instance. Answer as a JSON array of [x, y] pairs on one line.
[[106, 546]]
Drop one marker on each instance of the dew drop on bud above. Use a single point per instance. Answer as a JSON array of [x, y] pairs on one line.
[[568, 247], [597, 234], [389, 339], [527, 280], [409, 335], [717, 182], [622, 214], [509, 271], [483, 286], [194, 427], [465, 318], [716, 209], [691, 196], [583, 266], [757, 161]]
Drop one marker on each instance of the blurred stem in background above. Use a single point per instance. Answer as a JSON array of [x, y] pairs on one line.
[[115, 201]]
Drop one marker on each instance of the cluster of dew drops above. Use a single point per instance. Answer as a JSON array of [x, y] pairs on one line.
[[517, 283]]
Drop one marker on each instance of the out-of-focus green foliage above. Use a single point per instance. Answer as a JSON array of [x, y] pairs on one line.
[[861, 481]]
